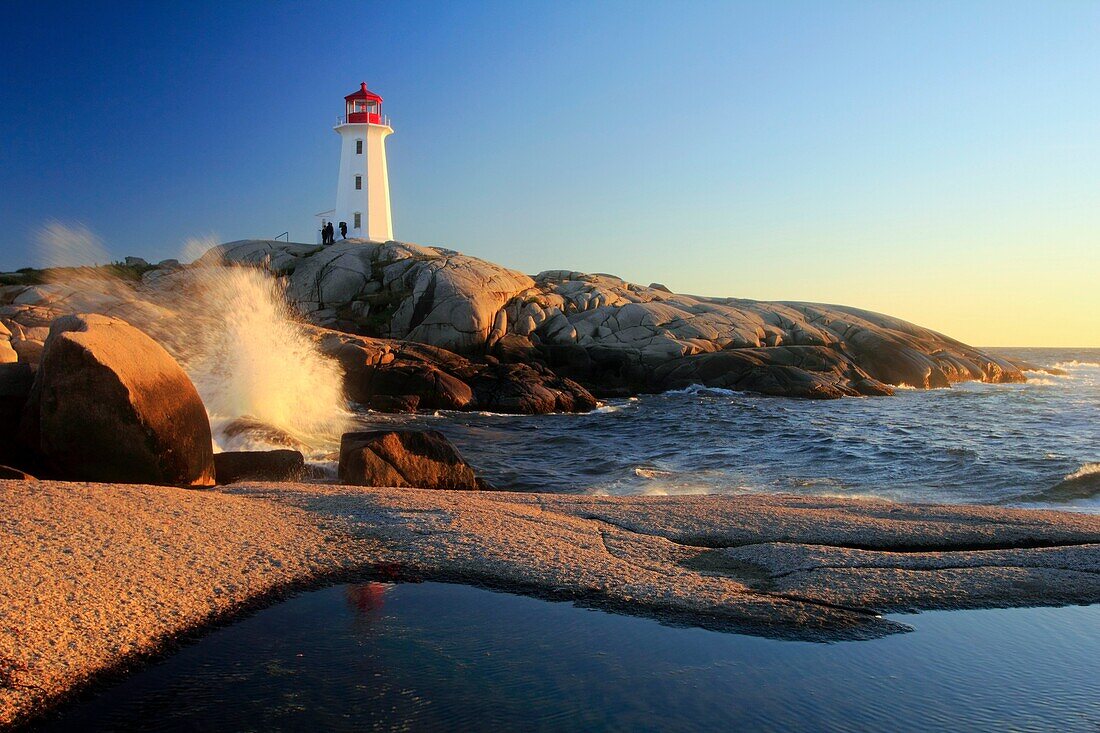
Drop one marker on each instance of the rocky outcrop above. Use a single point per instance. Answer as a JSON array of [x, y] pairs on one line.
[[132, 570], [612, 336], [784, 566], [241, 433], [259, 465], [814, 372], [396, 376], [394, 290], [608, 336], [405, 458], [109, 404]]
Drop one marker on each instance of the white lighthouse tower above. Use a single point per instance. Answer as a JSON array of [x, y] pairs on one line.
[[363, 191]]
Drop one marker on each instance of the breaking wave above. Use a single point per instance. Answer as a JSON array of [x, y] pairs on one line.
[[230, 328], [1084, 483]]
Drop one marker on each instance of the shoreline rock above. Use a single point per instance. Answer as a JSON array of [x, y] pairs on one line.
[[134, 567], [110, 404], [422, 459], [429, 320], [260, 465]]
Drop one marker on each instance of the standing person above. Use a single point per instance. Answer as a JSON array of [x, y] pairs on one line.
[[343, 230], [330, 235], [324, 232]]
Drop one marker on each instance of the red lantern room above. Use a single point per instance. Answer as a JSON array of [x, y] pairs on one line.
[[364, 106]]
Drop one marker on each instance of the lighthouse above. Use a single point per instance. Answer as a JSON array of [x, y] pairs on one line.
[[363, 190]]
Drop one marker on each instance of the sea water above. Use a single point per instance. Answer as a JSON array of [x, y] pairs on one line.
[[973, 443]]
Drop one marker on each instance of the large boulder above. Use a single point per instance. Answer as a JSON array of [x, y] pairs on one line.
[[15, 387], [109, 404], [527, 389], [405, 458], [249, 434], [259, 465]]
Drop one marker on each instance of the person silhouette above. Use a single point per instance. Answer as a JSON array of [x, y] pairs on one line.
[[343, 230]]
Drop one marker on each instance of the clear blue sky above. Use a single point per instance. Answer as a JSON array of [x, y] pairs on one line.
[[939, 161]]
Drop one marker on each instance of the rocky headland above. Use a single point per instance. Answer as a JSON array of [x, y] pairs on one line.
[[612, 336], [419, 327], [124, 528]]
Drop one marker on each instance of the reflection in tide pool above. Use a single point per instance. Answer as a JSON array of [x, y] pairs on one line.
[[446, 657]]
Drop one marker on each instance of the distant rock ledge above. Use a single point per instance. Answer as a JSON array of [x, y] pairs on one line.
[[613, 337], [428, 328]]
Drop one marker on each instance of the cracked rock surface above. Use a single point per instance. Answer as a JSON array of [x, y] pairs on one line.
[[612, 336], [777, 566], [96, 576], [568, 333]]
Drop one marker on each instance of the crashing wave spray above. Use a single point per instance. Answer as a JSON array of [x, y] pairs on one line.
[[230, 328], [237, 338]]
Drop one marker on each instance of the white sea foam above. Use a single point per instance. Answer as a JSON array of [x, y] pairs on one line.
[[703, 389], [651, 473], [70, 245], [1087, 469], [230, 328], [247, 356]]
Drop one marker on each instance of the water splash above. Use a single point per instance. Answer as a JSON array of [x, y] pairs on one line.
[[248, 356], [230, 328], [70, 245]]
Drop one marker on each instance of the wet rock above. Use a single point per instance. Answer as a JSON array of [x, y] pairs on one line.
[[246, 430], [109, 404], [405, 458], [393, 403], [815, 372], [265, 465], [431, 387], [15, 474], [527, 389], [399, 376]]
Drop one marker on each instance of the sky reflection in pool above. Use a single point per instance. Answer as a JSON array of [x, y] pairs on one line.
[[435, 656]]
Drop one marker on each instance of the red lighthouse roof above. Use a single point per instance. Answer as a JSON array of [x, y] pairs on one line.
[[364, 93], [363, 106]]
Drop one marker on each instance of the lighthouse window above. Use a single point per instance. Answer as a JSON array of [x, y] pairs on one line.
[[359, 183], [358, 147], [358, 220]]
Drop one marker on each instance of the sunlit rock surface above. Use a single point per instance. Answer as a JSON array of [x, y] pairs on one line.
[[131, 567], [110, 404], [611, 335], [608, 336]]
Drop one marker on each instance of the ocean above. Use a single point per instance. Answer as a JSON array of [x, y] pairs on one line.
[[1032, 444]]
